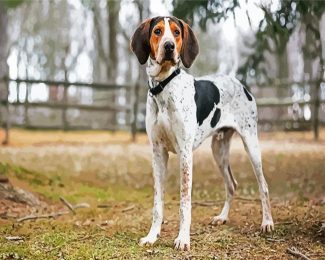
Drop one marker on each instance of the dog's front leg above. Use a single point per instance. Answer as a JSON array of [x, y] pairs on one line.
[[182, 242], [159, 164]]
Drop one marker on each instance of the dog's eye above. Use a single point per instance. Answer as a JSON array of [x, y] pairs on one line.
[[176, 32], [157, 31]]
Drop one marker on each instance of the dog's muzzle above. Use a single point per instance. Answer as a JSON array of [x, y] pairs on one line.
[[169, 50]]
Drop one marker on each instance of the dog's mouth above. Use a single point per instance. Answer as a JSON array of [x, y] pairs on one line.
[[168, 58]]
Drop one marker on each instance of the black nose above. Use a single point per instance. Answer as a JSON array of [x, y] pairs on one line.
[[169, 47]]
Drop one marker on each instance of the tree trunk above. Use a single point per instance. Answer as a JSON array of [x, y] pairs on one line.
[[3, 48], [312, 50], [4, 70], [113, 24], [113, 8]]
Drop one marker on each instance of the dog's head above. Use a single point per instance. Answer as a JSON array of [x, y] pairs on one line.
[[166, 40]]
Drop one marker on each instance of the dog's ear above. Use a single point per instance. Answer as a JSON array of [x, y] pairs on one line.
[[190, 46], [140, 41]]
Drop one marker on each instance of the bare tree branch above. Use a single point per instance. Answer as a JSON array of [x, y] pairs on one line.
[[293, 251]]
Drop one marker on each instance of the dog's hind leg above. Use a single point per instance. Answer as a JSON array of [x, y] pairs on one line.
[[220, 148], [252, 147]]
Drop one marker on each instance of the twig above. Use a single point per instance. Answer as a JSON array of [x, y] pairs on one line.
[[15, 238], [293, 251], [81, 205], [204, 204], [103, 206], [128, 208], [68, 204], [274, 240], [53, 215], [246, 199], [284, 223], [100, 227], [73, 207]]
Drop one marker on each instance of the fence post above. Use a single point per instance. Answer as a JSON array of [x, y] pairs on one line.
[[26, 105], [316, 111], [135, 112], [7, 125], [64, 111]]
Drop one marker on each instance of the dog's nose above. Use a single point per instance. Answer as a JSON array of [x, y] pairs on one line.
[[169, 47]]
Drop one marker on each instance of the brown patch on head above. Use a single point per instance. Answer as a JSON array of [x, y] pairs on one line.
[[176, 30], [157, 33]]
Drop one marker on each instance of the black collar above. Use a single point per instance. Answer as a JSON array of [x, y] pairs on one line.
[[160, 87]]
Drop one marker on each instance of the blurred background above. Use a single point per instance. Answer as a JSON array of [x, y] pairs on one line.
[[66, 64]]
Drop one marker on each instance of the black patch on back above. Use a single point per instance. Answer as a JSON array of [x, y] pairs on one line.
[[248, 95], [215, 118], [206, 95]]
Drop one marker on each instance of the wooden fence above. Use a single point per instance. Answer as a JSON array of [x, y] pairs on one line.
[[131, 107], [315, 101]]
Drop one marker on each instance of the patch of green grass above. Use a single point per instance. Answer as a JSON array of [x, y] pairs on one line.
[[73, 243], [53, 186], [33, 178]]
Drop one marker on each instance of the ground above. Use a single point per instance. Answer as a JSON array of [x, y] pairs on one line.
[[113, 176]]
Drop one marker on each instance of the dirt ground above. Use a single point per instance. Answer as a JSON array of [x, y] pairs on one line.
[[113, 176]]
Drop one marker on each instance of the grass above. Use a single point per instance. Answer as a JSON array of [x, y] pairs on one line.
[[296, 182]]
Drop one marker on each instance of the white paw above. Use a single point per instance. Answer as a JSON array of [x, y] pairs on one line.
[[148, 240], [218, 220], [182, 243], [267, 226]]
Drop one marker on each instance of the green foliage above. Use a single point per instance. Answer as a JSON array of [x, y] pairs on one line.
[[275, 30], [13, 3], [204, 10]]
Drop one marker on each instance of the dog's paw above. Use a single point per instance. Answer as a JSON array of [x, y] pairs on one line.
[[182, 243], [148, 240], [267, 226], [218, 220]]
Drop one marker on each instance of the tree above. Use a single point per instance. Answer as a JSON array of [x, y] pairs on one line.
[[204, 10], [274, 32]]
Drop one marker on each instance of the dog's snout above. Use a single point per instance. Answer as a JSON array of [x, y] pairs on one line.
[[169, 47]]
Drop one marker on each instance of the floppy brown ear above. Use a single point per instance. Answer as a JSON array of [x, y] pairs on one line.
[[140, 42], [190, 46]]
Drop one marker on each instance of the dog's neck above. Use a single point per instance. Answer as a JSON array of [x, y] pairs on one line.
[[159, 72]]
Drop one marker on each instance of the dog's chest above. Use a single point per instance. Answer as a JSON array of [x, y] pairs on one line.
[[175, 113]]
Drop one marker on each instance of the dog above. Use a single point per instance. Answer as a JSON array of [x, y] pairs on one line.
[[182, 111]]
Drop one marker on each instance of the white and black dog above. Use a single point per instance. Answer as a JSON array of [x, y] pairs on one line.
[[182, 111]]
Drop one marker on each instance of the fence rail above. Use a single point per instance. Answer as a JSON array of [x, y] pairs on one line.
[[64, 104]]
